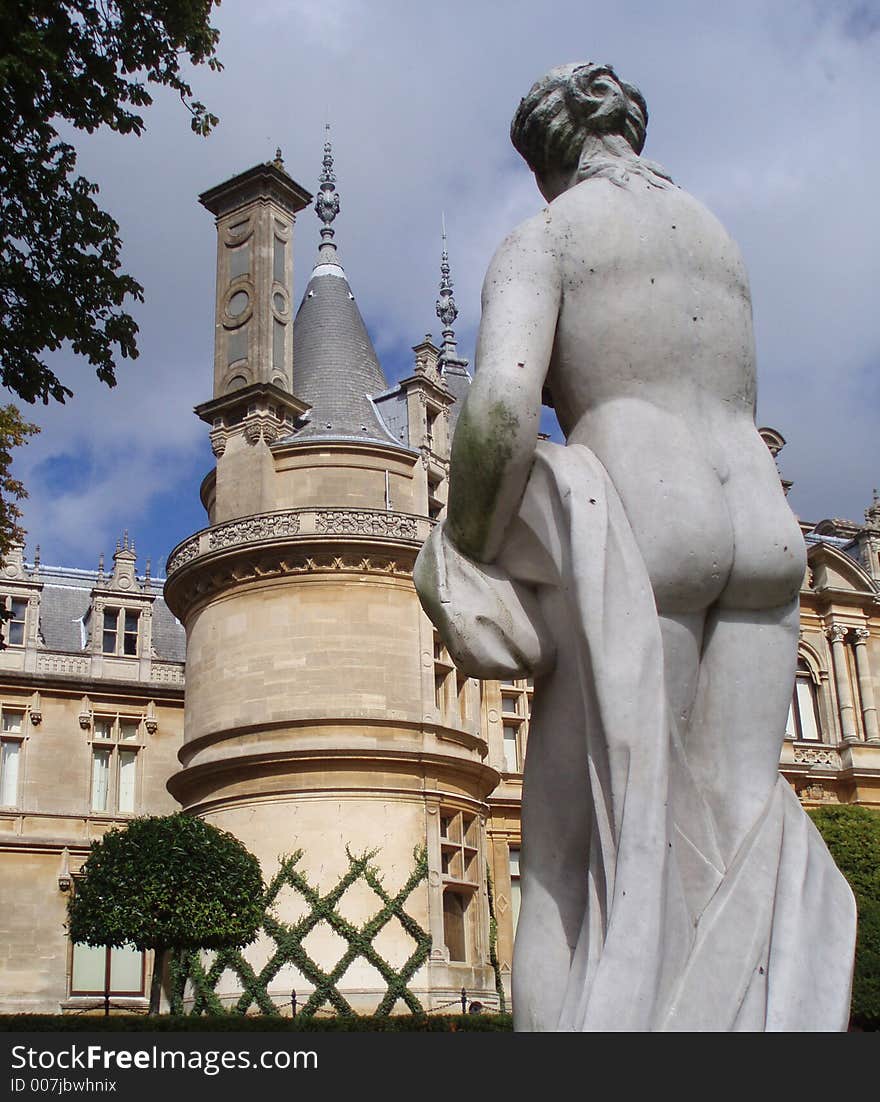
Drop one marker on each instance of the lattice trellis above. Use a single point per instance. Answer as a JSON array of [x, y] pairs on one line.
[[289, 946]]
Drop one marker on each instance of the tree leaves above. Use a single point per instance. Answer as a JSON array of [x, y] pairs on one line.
[[89, 62], [168, 881], [852, 834]]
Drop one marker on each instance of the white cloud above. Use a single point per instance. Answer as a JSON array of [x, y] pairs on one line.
[[759, 109]]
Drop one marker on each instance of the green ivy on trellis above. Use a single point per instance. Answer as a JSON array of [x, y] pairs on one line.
[[188, 966]]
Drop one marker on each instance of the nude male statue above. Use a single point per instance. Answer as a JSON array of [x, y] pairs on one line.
[[628, 300]]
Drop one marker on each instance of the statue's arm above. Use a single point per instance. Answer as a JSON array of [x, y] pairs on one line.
[[498, 426]]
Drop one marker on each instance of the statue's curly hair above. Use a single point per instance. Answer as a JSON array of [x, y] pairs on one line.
[[553, 120]]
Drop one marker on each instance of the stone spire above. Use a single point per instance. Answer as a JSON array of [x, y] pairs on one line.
[[327, 199], [447, 311], [336, 370], [453, 367]]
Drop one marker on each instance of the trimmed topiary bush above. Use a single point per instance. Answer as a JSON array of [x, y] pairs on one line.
[[167, 882]]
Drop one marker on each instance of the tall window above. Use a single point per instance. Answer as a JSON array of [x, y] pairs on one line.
[[516, 708], [515, 894], [120, 633], [11, 739], [116, 743], [459, 870], [100, 968], [803, 713], [14, 632], [443, 671]]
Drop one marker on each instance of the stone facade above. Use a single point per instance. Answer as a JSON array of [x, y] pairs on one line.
[[91, 721], [320, 712]]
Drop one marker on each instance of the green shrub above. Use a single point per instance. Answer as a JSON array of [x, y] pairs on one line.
[[853, 836], [123, 1023]]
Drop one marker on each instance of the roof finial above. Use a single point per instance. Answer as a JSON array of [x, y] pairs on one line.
[[101, 566], [279, 160], [327, 199], [447, 311]]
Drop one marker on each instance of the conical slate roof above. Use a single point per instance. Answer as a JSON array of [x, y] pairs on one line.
[[335, 367]]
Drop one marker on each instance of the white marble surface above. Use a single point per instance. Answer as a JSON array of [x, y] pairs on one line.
[[649, 571]]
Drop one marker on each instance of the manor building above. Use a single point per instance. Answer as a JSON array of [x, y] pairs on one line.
[[319, 711]]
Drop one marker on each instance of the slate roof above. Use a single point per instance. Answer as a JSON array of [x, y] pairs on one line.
[[66, 600], [335, 367]]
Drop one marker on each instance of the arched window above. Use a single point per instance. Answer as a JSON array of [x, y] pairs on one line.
[[803, 715]]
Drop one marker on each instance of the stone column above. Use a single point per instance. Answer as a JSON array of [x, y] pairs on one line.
[[845, 704], [866, 686]]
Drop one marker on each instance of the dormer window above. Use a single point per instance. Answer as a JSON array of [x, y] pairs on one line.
[[120, 635], [14, 630]]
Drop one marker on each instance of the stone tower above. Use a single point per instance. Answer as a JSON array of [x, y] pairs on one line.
[[321, 714]]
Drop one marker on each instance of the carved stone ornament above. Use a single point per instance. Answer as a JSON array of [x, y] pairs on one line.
[[344, 522], [85, 714], [184, 554], [817, 755], [837, 633], [252, 529], [218, 438]]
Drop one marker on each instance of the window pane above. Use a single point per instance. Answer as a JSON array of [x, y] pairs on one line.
[[131, 633], [790, 725], [515, 894], [126, 970], [9, 758], [128, 729], [12, 721], [511, 763], [127, 768], [103, 727], [806, 700], [100, 779], [454, 907], [89, 966]]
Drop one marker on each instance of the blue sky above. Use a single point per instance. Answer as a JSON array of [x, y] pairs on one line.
[[759, 109]]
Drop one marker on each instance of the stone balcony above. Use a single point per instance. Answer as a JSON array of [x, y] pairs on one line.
[[292, 541]]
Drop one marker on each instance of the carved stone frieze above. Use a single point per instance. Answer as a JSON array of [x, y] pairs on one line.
[[350, 521], [72, 665], [250, 529], [281, 562], [167, 673], [817, 755], [184, 554]]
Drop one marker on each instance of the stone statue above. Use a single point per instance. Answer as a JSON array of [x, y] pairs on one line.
[[647, 573]]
